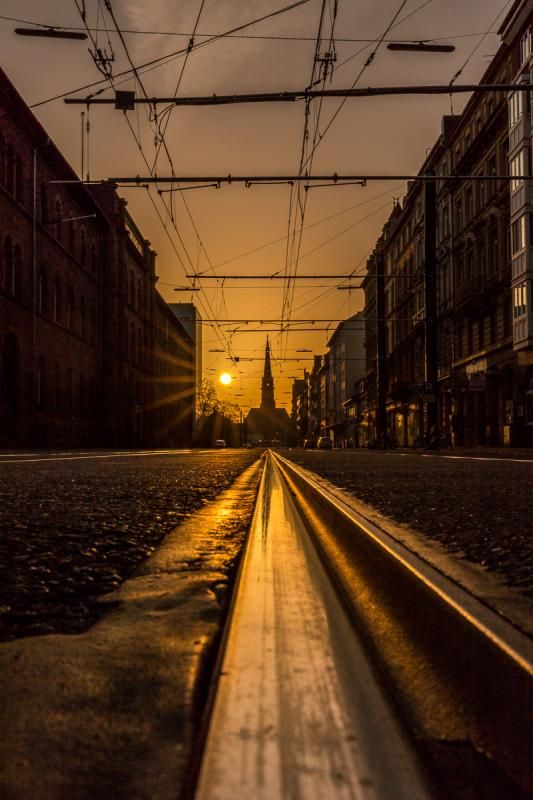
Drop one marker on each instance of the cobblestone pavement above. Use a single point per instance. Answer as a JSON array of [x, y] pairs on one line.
[[479, 510], [74, 529]]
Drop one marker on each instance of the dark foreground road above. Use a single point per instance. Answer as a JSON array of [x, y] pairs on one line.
[[478, 509], [75, 527]]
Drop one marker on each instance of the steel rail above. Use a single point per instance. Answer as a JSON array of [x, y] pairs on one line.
[[299, 710], [462, 672]]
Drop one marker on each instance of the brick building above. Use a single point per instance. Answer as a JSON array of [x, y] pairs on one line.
[[78, 306], [483, 268]]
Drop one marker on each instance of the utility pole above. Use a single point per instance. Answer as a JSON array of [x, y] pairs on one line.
[[430, 287]]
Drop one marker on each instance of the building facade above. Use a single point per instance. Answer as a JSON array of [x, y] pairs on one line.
[[478, 267], [79, 309]]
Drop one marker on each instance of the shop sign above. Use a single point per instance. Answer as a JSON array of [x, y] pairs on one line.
[[480, 365]]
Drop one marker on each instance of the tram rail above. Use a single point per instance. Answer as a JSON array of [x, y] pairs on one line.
[[352, 668]]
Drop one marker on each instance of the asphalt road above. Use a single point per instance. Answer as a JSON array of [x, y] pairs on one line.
[[477, 506], [75, 526]]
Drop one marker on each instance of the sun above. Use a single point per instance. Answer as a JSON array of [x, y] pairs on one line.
[[225, 378]]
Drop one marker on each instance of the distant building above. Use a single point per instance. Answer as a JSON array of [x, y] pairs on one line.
[[346, 366], [189, 317], [267, 423]]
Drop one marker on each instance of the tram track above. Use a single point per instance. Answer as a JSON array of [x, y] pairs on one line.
[[353, 668]]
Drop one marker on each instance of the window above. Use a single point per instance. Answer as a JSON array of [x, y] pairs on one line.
[[83, 247], [2, 160], [516, 108], [492, 326], [83, 318], [40, 387], [469, 262], [70, 308], [459, 219], [58, 219], [14, 286], [493, 246], [469, 204], [469, 337], [10, 170], [133, 357], [44, 205], [445, 221], [57, 299], [518, 235], [481, 256], [56, 388], [10, 376], [71, 237], [9, 263], [42, 291], [520, 300], [525, 46], [19, 183], [507, 317], [519, 166], [491, 172]]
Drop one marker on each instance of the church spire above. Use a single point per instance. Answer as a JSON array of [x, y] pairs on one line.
[[267, 384]]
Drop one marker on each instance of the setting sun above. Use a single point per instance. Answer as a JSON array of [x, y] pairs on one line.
[[225, 378]]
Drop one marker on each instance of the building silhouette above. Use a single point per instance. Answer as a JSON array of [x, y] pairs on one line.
[[90, 353], [268, 424]]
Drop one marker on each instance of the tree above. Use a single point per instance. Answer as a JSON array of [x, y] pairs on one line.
[[230, 410], [206, 399]]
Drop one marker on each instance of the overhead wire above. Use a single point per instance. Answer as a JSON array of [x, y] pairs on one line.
[[271, 37], [163, 60], [141, 150]]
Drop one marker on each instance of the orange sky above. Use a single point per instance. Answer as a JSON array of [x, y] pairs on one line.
[[373, 135]]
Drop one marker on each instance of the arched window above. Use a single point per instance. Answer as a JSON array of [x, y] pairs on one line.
[[70, 308], [16, 278], [71, 237], [93, 337], [83, 246], [42, 291], [10, 170], [58, 211], [10, 376], [2, 160], [56, 388], [69, 390], [57, 299], [83, 318], [9, 264], [19, 182], [40, 386], [44, 204]]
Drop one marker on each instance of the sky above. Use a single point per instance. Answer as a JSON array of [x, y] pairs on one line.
[[233, 229]]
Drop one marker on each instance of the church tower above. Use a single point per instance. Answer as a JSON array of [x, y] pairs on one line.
[[267, 384]]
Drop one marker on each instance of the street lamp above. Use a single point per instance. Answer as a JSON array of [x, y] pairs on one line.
[[421, 47], [50, 33]]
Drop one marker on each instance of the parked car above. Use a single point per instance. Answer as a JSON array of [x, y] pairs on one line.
[[309, 444], [324, 443], [220, 443]]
